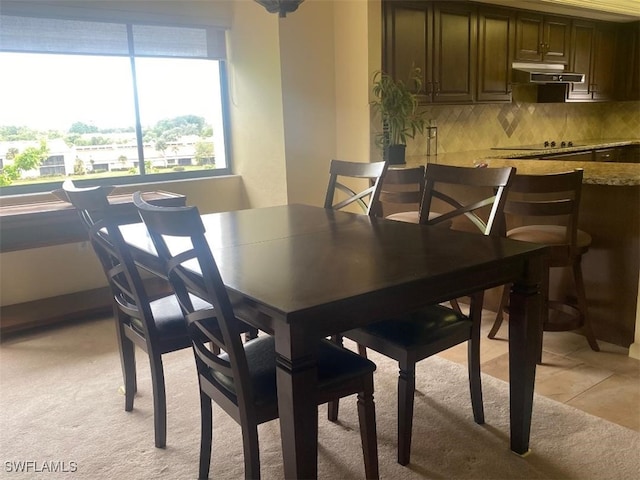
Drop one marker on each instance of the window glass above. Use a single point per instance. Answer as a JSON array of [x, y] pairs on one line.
[[74, 116], [181, 113]]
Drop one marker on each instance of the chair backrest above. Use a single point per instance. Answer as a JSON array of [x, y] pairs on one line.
[[477, 194], [399, 190], [178, 235], [339, 170], [126, 284], [552, 199]]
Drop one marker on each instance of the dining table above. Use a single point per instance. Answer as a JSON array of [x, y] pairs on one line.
[[303, 273]]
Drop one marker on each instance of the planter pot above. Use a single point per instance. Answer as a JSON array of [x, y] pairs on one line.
[[395, 154]]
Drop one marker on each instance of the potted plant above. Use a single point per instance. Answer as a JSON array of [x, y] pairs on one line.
[[397, 105]]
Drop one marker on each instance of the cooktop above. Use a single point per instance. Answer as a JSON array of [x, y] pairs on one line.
[[541, 146]]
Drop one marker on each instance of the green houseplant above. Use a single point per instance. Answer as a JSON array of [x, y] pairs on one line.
[[397, 105]]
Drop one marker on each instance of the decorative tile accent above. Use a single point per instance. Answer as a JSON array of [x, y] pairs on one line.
[[482, 126]]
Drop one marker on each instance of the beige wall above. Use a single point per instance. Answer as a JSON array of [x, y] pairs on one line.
[[255, 87]]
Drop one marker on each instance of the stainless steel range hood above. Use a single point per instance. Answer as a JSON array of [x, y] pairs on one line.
[[544, 73]]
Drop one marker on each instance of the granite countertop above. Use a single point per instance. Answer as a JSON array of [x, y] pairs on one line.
[[596, 173]]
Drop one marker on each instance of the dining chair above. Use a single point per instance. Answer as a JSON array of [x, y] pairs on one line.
[[399, 194], [545, 209], [154, 324], [413, 337], [339, 195], [242, 381]]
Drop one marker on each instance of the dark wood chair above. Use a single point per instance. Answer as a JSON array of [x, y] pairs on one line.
[[544, 209], [155, 324], [428, 331], [242, 381], [399, 194], [340, 195]]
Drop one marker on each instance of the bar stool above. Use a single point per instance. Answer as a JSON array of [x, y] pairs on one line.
[[552, 198]]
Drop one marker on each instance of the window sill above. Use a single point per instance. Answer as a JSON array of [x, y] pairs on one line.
[[53, 222]]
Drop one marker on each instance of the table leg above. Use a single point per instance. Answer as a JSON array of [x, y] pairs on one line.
[[298, 410], [525, 321]]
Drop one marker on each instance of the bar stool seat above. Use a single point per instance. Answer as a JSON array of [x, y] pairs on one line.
[[548, 235]]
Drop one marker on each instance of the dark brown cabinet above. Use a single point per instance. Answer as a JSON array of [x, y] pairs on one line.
[[594, 54], [629, 57], [465, 51], [542, 38], [440, 39], [496, 41]]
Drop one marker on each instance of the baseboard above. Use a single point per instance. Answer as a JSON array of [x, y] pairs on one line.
[[48, 311], [70, 307]]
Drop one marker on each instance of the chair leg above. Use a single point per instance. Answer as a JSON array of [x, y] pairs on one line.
[[368, 435], [504, 300], [251, 451], [128, 361], [473, 352], [582, 305], [334, 405], [206, 435], [406, 391], [159, 400]]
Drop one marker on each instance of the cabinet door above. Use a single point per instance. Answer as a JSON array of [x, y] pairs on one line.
[[628, 59], [496, 39], [604, 63], [406, 42], [529, 37], [556, 38], [454, 53], [542, 38], [582, 46]]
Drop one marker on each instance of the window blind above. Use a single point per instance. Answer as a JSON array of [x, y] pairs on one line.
[[70, 36]]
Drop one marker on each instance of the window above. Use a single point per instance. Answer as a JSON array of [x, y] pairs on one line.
[[111, 103]]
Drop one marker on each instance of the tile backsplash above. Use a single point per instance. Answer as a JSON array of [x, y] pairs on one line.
[[482, 126]]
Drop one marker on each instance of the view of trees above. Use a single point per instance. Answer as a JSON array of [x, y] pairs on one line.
[[27, 160], [163, 133]]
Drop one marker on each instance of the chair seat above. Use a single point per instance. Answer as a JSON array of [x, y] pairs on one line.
[[335, 365], [547, 235], [420, 328], [414, 217], [409, 217], [168, 317], [170, 323]]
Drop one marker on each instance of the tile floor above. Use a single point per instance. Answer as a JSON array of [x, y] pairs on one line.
[[605, 384]]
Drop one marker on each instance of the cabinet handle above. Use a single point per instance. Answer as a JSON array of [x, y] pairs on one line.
[[437, 87], [541, 50]]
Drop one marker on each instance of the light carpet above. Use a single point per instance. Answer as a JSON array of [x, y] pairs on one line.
[[60, 408]]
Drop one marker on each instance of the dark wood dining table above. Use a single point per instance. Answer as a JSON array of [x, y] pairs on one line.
[[303, 273]]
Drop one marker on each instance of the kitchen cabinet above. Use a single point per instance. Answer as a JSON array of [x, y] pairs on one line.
[[604, 63], [496, 44], [629, 56], [570, 157], [628, 154], [594, 54], [542, 38], [440, 39]]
